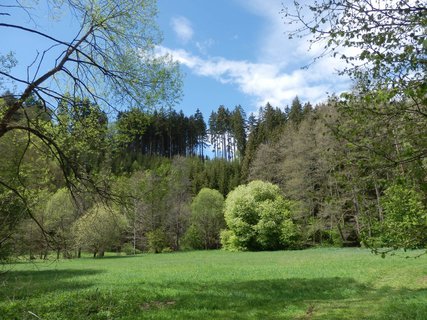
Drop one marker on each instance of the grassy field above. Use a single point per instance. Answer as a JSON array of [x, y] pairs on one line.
[[310, 284]]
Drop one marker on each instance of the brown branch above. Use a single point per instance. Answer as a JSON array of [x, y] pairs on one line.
[[32, 86], [27, 208]]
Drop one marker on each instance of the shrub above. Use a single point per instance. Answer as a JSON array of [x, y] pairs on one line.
[[258, 218], [192, 238], [207, 219], [405, 218], [128, 249], [156, 241], [229, 241]]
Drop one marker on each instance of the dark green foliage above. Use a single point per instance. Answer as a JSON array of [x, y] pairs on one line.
[[339, 183], [12, 213], [193, 239], [227, 130], [266, 129], [296, 112], [339, 163], [238, 125], [160, 133], [178, 201]]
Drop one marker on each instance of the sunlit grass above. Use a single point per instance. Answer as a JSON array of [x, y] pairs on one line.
[[309, 284]]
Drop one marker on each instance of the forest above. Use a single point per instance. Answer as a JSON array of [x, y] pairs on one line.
[[166, 181]]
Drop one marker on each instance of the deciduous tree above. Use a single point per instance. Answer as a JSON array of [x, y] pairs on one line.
[[207, 219], [258, 217]]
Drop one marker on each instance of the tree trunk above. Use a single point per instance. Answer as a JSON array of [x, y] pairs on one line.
[[380, 209], [340, 232], [134, 238]]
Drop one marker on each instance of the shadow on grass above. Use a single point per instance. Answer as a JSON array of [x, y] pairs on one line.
[[294, 298], [263, 299], [114, 256], [319, 298], [24, 284]]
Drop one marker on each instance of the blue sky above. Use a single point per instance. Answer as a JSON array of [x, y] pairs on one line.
[[236, 52], [231, 52]]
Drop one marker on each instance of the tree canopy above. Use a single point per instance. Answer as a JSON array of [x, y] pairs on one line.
[[109, 63], [383, 42]]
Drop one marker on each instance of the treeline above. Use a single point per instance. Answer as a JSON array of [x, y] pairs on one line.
[[129, 182], [161, 133], [348, 177], [357, 172]]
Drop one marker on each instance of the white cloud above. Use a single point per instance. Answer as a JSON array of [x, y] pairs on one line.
[[264, 82], [275, 47], [277, 75], [182, 28], [203, 46]]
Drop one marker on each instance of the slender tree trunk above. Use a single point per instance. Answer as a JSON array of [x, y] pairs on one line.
[[397, 147], [224, 146], [380, 209], [357, 212], [134, 239], [340, 232]]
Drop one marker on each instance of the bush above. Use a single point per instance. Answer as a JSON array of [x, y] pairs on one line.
[[128, 249], [192, 238], [405, 218], [207, 219], [156, 241], [334, 238], [258, 218], [229, 241]]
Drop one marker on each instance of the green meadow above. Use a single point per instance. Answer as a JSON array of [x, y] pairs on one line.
[[310, 284]]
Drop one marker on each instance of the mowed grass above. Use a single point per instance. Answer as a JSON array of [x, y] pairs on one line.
[[308, 284]]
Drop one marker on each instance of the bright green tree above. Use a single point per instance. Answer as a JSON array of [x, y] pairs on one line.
[[60, 214], [405, 218], [207, 219], [258, 218], [109, 59], [99, 229]]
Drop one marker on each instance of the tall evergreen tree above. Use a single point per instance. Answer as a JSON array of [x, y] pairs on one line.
[[296, 112], [238, 128]]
